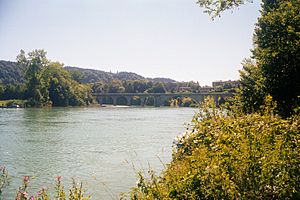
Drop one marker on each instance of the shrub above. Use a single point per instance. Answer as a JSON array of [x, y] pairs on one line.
[[3, 178], [226, 155], [76, 192]]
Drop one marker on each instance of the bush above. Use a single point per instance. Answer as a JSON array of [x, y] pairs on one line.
[[3, 178], [226, 155], [76, 192]]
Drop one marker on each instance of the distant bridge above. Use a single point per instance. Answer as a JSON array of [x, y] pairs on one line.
[[158, 98]]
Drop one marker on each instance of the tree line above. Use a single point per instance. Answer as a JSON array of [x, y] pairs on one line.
[[42, 82], [274, 68]]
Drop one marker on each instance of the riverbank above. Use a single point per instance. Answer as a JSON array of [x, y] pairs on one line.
[[13, 103], [20, 103]]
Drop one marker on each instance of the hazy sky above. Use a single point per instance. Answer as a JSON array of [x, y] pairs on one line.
[[154, 38]]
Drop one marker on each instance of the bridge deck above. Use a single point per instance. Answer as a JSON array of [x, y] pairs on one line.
[[160, 94], [159, 98]]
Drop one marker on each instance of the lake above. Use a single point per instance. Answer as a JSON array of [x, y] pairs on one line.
[[102, 147]]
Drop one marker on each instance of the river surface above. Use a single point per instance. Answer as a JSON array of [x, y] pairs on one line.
[[102, 147]]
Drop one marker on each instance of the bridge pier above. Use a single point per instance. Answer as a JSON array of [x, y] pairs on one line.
[[157, 101], [128, 99], [199, 99], [216, 99], [114, 100], [100, 100], [142, 98]]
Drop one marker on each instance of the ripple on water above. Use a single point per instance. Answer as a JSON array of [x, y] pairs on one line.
[[98, 145]]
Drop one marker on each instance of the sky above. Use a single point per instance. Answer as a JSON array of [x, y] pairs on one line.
[[154, 38]]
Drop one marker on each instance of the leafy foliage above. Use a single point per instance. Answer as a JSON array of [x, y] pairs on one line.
[[77, 75], [48, 83], [128, 82], [35, 65], [252, 92], [11, 91], [246, 151], [76, 192], [157, 88], [12, 79], [216, 7], [3, 178], [277, 51], [115, 86], [11, 73], [137, 86], [231, 155], [93, 76], [145, 86]]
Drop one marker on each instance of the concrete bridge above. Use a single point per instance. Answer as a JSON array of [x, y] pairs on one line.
[[159, 98]]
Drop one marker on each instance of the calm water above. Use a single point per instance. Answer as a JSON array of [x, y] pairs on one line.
[[103, 147]]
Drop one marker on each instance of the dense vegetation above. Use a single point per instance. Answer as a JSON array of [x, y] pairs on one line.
[[230, 155], [76, 192], [3, 178], [277, 52], [48, 84], [93, 76], [248, 149], [14, 74], [11, 73], [12, 78], [274, 69]]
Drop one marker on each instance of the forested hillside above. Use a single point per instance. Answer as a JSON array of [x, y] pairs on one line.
[[11, 73], [93, 76]]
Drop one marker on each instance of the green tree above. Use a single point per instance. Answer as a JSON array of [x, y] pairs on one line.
[[99, 87], [277, 51], [252, 91], [136, 86], [115, 86], [226, 155], [1, 90], [276, 48], [129, 86], [35, 64], [142, 85], [59, 84], [77, 75], [63, 90], [216, 7], [195, 87], [157, 87], [49, 83]]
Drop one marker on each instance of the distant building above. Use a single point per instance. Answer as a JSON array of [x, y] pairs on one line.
[[226, 84], [206, 89], [184, 89]]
